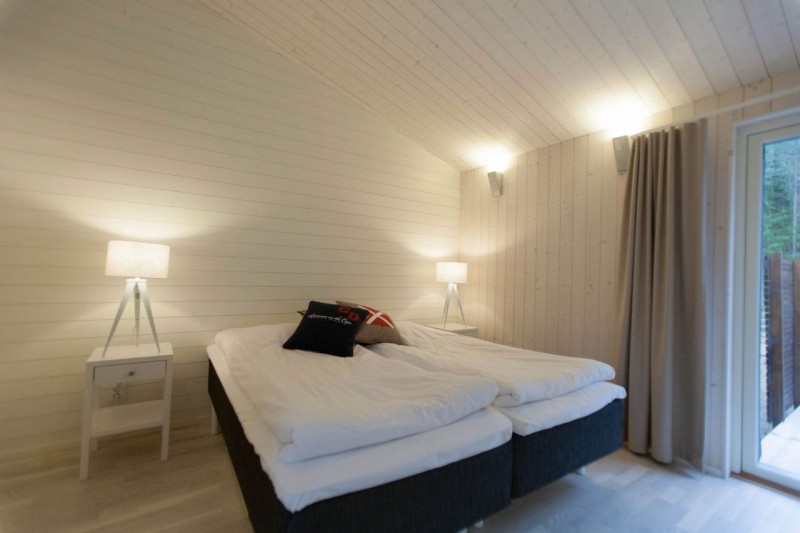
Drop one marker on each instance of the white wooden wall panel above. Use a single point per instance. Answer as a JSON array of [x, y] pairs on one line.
[[414, 35], [668, 33], [159, 121], [791, 10], [572, 211], [460, 35], [695, 20], [736, 34], [460, 75], [553, 241], [632, 26], [577, 286], [534, 58], [771, 30]]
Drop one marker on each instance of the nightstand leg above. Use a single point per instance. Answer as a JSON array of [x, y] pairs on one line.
[[167, 411], [95, 407], [88, 398]]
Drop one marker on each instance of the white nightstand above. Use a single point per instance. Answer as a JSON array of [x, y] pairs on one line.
[[123, 364], [460, 329]]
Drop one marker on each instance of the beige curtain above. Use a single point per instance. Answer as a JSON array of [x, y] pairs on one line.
[[663, 295]]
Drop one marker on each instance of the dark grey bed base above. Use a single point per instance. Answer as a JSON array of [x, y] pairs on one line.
[[448, 498], [545, 456]]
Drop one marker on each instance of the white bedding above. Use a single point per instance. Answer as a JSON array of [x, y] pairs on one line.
[[298, 485], [545, 414], [522, 375], [318, 404]]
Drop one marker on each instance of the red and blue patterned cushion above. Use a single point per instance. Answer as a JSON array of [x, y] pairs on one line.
[[378, 326]]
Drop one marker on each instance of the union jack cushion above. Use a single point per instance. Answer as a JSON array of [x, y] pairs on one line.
[[378, 327]]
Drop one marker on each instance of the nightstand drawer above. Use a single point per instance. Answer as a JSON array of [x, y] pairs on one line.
[[129, 372]]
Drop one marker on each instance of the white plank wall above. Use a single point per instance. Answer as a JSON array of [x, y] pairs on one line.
[[539, 260], [158, 121], [460, 74], [564, 203]]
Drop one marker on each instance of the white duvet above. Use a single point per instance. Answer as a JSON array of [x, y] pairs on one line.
[[537, 416], [522, 375], [318, 404]]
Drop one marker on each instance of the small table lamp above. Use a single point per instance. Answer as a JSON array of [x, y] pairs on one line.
[[136, 261], [452, 274]]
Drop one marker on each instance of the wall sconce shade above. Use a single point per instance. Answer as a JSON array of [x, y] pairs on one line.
[[622, 152], [451, 272], [496, 183], [137, 259]]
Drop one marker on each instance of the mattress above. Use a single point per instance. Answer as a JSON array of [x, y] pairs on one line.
[[300, 484]]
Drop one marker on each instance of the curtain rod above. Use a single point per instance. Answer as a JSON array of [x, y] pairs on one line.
[[727, 109]]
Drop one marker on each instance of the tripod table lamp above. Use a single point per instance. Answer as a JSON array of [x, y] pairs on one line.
[[136, 261], [451, 273]]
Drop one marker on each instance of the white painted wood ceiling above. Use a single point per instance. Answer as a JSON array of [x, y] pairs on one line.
[[461, 75]]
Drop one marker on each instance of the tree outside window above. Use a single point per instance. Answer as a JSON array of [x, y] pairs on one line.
[[782, 198]]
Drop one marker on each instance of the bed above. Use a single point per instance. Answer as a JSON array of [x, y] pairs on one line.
[[568, 418], [442, 479]]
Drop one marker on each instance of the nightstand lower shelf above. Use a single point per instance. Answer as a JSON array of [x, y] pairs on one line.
[[127, 417]]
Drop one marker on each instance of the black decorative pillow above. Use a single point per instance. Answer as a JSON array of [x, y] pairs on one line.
[[327, 328]]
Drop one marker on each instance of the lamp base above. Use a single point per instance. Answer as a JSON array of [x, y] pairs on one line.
[[137, 287], [452, 292]]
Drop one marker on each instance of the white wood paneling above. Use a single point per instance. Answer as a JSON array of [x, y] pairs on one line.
[[630, 23], [460, 75], [159, 121], [572, 212], [771, 30], [560, 234], [730, 21], [695, 21], [667, 32]]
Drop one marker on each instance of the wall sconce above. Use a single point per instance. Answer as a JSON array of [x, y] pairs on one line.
[[452, 274], [622, 152], [496, 183], [136, 261]]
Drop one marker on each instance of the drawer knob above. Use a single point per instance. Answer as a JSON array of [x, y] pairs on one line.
[[132, 373]]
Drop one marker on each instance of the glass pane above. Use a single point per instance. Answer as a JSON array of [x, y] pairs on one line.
[[779, 420]]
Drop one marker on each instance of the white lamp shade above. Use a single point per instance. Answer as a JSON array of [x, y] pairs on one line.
[[137, 259], [450, 272]]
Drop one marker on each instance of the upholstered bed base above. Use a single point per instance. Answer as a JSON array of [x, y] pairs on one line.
[[448, 498], [545, 456]]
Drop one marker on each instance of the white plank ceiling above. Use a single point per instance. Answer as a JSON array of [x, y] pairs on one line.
[[459, 76]]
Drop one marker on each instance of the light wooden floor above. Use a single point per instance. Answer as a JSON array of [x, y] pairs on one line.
[[130, 490], [628, 493]]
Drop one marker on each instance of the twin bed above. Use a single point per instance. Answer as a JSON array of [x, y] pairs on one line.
[[417, 437], [564, 412]]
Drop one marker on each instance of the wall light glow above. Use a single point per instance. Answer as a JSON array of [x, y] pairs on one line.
[[493, 158], [619, 117]]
